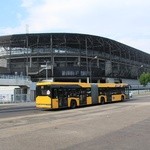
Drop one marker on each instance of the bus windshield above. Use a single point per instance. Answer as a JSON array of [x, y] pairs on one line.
[[43, 90]]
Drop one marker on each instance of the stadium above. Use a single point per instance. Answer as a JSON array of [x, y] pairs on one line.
[[70, 57]]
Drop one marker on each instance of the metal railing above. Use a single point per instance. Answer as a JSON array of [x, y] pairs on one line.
[[20, 77]]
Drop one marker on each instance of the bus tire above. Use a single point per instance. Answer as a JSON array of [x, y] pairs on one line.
[[102, 101], [73, 104], [122, 98]]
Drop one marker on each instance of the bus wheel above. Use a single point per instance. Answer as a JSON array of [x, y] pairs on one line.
[[122, 98], [102, 101], [73, 104]]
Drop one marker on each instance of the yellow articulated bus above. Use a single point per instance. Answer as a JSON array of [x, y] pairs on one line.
[[55, 95]]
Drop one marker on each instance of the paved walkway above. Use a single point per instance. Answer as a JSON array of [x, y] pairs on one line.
[[17, 104]]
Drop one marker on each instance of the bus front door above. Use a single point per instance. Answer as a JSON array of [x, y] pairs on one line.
[[62, 98]]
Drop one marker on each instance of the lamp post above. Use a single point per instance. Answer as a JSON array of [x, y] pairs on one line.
[[138, 72], [46, 69], [90, 63], [52, 69]]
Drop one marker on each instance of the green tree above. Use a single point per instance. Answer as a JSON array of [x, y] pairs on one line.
[[144, 78]]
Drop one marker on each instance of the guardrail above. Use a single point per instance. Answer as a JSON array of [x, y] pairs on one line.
[[15, 77], [15, 80]]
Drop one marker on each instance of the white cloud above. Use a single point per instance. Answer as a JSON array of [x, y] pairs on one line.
[[126, 21], [28, 3], [58, 15]]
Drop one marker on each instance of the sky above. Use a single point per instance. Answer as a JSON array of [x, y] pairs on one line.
[[125, 21]]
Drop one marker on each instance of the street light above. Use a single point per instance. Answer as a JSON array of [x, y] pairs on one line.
[[90, 63], [46, 68], [138, 72]]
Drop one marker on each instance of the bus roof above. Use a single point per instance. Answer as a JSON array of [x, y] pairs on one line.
[[112, 85], [63, 83], [81, 84]]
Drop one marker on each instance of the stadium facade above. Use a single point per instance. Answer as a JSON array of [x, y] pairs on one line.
[[70, 57]]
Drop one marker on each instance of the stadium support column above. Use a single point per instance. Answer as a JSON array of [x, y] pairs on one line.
[[79, 67], [90, 65], [52, 58], [108, 68], [88, 80], [30, 61], [27, 48], [87, 64]]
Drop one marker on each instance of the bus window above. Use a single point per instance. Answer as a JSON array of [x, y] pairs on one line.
[[43, 90], [102, 91], [54, 93], [88, 91], [73, 92]]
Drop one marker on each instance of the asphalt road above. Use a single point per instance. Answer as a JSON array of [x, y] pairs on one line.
[[117, 126], [17, 109]]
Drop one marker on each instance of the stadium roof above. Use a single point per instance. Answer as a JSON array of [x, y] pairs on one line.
[[75, 40]]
